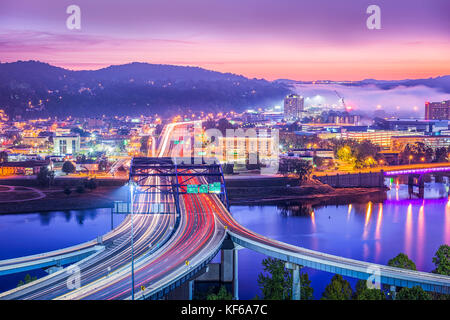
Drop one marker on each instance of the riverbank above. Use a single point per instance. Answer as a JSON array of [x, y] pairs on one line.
[[56, 200], [240, 190], [312, 192]]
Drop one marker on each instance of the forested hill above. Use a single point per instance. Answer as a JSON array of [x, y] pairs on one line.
[[35, 89]]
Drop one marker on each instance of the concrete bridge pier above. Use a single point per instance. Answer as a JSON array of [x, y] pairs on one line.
[[191, 289], [393, 292], [296, 281], [229, 266], [235, 275]]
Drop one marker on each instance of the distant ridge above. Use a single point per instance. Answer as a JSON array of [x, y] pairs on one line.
[[34, 88]]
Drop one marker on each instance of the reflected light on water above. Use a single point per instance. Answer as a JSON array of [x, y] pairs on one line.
[[421, 234], [408, 230], [349, 212], [447, 223], [313, 220], [379, 220], [366, 223]]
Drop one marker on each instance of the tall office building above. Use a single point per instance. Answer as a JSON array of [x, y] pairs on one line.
[[437, 110], [293, 107]]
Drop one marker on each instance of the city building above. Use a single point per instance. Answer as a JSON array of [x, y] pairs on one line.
[[344, 119], [322, 153], [379, 137], [434, 142], [293, 107], [64, 145], [411, 125], [23, 168], [437, 110], [239, 149]]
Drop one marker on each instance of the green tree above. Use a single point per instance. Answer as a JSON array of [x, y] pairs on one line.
[[414, 293], [276, 281], [27, 279], [276, 284], [364, 293], [223, 294], [3, 156], [338, 289], [441, 260], [68, 167], [45, 176], [306, 291], [402, 261]]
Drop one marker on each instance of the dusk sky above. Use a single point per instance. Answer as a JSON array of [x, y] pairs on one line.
[[302, 40]]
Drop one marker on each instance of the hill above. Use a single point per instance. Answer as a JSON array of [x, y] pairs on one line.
[[36, 89]]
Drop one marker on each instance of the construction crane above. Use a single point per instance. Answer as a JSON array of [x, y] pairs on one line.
[[342, 100]]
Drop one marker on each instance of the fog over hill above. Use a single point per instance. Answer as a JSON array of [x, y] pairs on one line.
[[399, 98]]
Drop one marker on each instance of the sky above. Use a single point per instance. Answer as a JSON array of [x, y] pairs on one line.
[[271, 39]]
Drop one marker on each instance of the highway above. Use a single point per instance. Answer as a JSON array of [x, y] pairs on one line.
[[149, 230]]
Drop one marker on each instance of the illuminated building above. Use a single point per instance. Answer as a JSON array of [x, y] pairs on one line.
[[239, 149], [293, 107], [63, 145], [379, 137], [437, 110], [434, 142], [26, 168]]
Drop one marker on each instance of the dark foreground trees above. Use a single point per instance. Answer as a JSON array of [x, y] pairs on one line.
[[275, 282]]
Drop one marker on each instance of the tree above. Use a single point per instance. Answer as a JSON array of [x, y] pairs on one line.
[[223, 294], [306, 291], [364, 293], [338, 289], [68, 167], [91, 184], [441, 155], [402, 261], [276, 283], [228, 168], [299, 166], [414, 293], [27, 279], [441, 260], [67, 191], [45, 176], [3, 156]]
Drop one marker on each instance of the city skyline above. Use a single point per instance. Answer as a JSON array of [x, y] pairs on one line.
[[300, 41]]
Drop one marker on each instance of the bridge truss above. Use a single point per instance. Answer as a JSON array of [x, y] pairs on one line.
[[162, 180]]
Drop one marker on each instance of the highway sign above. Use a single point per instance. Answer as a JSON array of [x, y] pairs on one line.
[[204, 188], [215, 187], [192, 188]]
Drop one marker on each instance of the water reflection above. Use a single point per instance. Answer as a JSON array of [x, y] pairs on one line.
[[379, 220], [408, 230], [447, 223], [46, 218], [420, 234], [367, 220]]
